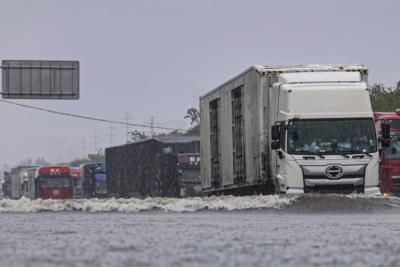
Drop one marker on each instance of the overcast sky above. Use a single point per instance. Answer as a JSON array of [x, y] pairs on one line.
[[155, 58]]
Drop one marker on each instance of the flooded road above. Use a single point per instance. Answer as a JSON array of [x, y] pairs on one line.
[[276, 231]]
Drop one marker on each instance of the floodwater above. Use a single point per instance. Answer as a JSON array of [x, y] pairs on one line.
[[298, 231]]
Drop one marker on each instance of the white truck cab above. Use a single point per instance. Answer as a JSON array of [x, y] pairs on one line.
[[327, 139]]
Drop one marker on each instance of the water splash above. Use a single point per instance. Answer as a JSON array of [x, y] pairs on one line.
[[229, 203], [307, 203]]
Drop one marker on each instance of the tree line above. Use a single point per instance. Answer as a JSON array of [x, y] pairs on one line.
[[385, 98]]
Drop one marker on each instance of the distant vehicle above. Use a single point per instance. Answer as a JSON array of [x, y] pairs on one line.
[[390, 157], [55, 182], [15, 182], [165, 166], [77, 181], [188, 168], [290, 129], [6, 186], [29, 189], [94, 182]]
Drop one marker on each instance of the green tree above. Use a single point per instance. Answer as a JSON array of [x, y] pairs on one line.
[[137, 136], [194, 115], [384, 98]]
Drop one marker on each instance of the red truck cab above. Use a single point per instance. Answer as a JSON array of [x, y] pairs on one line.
[[55, 182], [389, 171]]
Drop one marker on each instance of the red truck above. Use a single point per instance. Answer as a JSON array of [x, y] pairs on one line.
[[390, 156], [55, 182]]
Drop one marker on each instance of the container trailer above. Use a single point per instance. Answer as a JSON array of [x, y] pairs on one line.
[[155, 167], [6, 186], [290, 129], [29, 185], [16, 183]]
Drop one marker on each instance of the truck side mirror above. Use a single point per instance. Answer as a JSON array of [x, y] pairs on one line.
[[275, 136], [275, 132], [385, 131]]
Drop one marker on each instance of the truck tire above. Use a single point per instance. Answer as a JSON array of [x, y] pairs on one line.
[[276, 188]]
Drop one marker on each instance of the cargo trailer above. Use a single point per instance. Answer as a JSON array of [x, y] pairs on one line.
[[29, 185], [6, 186], [17, 181], [149, 168]]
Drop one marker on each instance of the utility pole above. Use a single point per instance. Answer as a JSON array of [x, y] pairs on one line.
[[95, 142], [152, 126], [127, 127], [84, 147], [111, 134], [70, 153]]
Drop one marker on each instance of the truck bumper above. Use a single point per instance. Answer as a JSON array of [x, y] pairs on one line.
[[372, 190], [295, 191], [327, 182]]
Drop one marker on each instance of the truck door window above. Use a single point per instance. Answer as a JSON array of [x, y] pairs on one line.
[[393, 152]]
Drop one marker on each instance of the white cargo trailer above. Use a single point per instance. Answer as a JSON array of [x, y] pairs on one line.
[[19, 181], [29, 183], [293, 129]]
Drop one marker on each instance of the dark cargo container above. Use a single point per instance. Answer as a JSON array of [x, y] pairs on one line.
[[7, 185], [148, 168]]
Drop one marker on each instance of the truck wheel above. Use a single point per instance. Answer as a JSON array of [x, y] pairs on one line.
[[276, 188]]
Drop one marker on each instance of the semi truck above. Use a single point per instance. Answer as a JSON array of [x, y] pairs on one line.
[[77, 182], [94, 179], [290, 129], [163, 166], [389, 171], [188, 169], [54, 182], [16, 182]]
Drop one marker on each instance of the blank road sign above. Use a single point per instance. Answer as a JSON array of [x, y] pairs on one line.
[[40, 79]]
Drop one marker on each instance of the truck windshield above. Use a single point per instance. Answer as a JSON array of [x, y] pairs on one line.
[[332, 136], [393, 152], [55, 182], [189, 176]]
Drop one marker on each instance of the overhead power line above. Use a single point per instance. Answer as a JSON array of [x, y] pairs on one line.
[[88, 117]]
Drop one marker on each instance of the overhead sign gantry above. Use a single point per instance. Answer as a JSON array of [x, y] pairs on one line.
[[40, 79]]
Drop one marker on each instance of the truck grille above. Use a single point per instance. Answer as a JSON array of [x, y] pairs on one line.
[[348, 176], [342, 189]]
